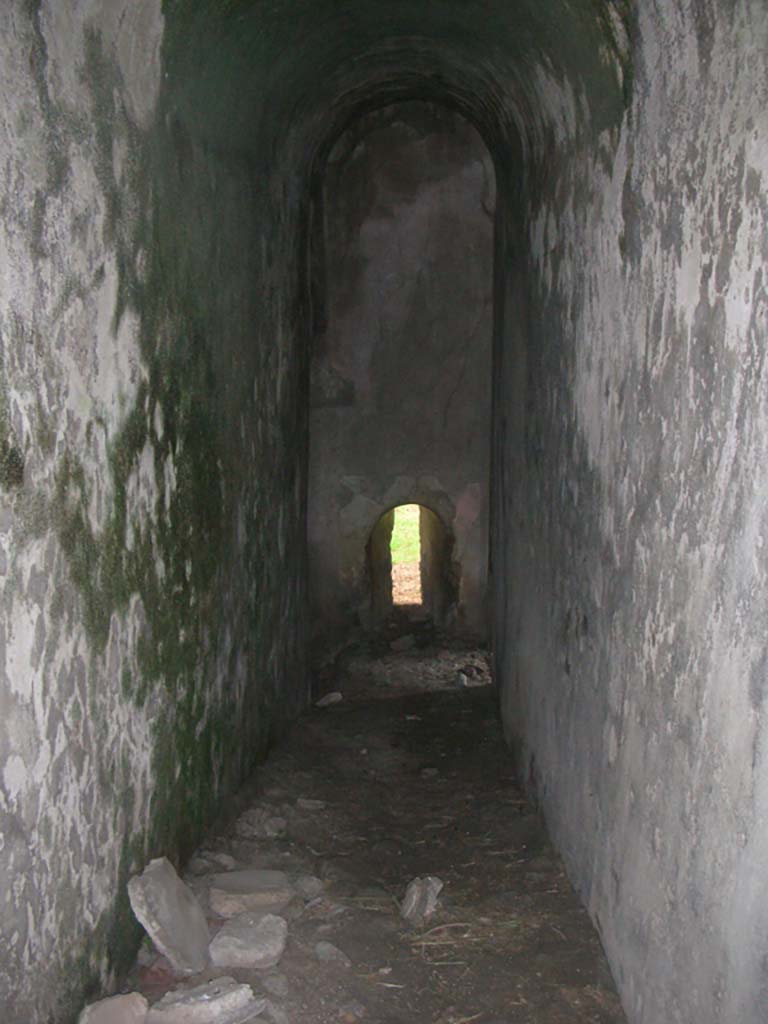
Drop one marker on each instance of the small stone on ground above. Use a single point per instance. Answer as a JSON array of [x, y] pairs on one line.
[[309, 886], [128, 1009], [328, 953], [250, 940], [420, 900], [305, 804], [433, 794], [223, 1001], [222, 860], [236, 892], [330, 698], [260, 824]]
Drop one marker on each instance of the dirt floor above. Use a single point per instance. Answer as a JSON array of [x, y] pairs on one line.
[[414, 780], [406, 583]]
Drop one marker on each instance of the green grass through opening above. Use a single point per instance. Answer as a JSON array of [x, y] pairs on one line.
[[405, 545]]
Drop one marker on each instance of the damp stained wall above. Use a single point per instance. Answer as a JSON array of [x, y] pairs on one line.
[[634, 463], [154, 311], [401, 368], [150, 546]]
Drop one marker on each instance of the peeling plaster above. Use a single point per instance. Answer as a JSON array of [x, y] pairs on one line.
[[116, 690], [645, 443]]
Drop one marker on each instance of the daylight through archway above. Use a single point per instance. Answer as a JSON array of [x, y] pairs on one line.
[[405, 552]]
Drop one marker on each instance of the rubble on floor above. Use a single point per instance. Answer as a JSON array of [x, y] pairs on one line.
[[389, 872], [254, 889], [420, 900], [334, 697], [222, 1001], [250, 940]]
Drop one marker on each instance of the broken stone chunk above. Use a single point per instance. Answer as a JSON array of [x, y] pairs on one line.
[[328, 699], [222, 1001], [420, 899], [236, 892], [207, 860], [328, 953], [260, 824], [129, 1009], [305, 804], [198, 866], [250, 940], [171, 915], [224, 860], [275, 826], [309, 886]]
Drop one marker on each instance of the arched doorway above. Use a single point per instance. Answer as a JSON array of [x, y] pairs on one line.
[[400, 377], [411, 567]]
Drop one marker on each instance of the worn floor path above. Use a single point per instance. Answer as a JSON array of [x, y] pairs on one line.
[[416, 784]]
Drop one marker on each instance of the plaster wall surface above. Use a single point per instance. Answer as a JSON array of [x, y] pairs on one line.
[[634, 471], [401, 376], [153, 326], [149, 531]]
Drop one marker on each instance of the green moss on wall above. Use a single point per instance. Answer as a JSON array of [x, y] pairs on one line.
[[199, 357], [11, 465], [11, 456]]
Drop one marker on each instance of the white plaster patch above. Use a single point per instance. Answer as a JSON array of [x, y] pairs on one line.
[[658, 281], [15, 776], [131, 29], [556, 102], [22, 637], [139, 45], [157, 421], [141, 495], [169, 480]]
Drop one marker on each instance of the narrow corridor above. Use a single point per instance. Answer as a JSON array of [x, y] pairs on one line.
[[407, 777], [270, 269]]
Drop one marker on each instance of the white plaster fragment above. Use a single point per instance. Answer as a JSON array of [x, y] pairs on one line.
[[15, 776], [139, 44], [131, 31]]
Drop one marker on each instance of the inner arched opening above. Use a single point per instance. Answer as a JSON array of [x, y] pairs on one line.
[[400, 380], [411, 569]]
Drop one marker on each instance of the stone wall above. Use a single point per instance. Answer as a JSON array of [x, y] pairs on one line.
[[150, 540], [401, 375], [632, 632], [155, 306]]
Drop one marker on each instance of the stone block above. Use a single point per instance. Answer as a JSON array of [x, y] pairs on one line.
[[223, 1001], [171, 915], [236, 892], [250, 940], [126, 1009]]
